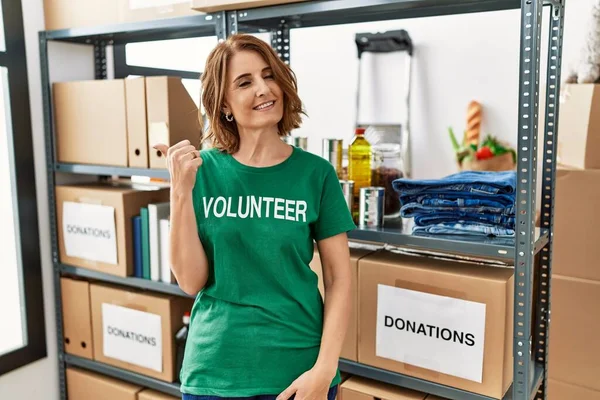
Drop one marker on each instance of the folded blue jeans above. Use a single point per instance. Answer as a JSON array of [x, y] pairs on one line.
[[500, 203], [473, 182], [330, 396], [502, 221], [465, 229]]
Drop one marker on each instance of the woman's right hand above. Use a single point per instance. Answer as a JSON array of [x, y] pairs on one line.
[[183, 161]]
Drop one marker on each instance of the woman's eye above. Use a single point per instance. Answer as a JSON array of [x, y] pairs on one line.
[[245, 83], [269, 77]]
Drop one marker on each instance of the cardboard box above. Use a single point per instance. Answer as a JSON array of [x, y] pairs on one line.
[[135, 331], [85, 385], [91, 122], [579, 126], [148, 10], [575, 251], [574, 326], [77, 320], [149, 394], [350, 346], [137, 122], [94, 211], [172, 116], [443, 321], [219, 5], [357, 388], [563, 391], [64, 14]]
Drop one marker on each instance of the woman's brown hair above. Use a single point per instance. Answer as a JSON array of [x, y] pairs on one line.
[[222, 133]]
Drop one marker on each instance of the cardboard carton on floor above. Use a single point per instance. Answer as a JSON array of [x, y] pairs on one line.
[[85, 385], [443, 321], [135, 331], [357, 388], [574, 341], [575, 249], [579, 126], [350, 346], [563, 391], [94, 224], [77, 319], [219, 5], [148, 394]]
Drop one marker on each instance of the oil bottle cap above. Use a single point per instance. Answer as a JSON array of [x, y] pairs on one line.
[[360, 131], [186, 318]]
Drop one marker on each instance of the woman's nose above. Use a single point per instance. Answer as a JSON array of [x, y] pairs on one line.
[[262, 88]]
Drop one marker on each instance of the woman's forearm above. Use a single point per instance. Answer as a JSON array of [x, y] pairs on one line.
[[338, 300], [187, 255]]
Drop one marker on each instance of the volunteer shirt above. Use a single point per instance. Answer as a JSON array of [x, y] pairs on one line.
[[257, 324]]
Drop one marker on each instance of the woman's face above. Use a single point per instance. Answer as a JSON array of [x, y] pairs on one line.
[[253, 96]]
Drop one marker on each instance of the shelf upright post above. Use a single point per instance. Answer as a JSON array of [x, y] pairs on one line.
[[280, 41], [529, 71], [50, 159], [100, 59], [542, 325]]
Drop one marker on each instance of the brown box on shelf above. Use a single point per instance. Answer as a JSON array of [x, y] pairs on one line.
[[111, 206], [136, 330], [91, 122], [148, 394], [579, 126], [563, 391], [137, 123], [219, 5], [575, 250], [574, 340], [149, 10], [64, 14], [350, 346], [357, 388], [443, 321], [172, 116], [77, 319], [85, 385]]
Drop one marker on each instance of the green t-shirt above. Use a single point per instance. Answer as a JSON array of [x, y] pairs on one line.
[[257, 324]]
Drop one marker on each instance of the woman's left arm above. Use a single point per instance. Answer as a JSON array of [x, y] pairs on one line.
[[337, 279]]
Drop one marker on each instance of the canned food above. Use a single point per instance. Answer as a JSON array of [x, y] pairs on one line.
[[348, 190], [297, 141], [332, 152], [371, 207]]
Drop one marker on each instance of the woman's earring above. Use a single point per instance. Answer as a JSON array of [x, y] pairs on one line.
[[229, 117]]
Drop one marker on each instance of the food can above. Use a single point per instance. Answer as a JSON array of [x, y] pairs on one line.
[[332, 151], [297, 141], [371, 207], [348, 190]]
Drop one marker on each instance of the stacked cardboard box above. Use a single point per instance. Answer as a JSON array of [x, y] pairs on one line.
[[116, 122], [219, 5], [574, 366]]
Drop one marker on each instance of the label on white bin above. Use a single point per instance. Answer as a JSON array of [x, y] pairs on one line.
[[89, 231], [429, 331], [132, 336]]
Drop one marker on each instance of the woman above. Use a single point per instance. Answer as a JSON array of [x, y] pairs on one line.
[[244, 218]]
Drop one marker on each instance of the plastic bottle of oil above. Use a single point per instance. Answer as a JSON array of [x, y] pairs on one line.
[[359, 165]]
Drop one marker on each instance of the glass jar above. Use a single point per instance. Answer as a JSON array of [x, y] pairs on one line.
[[386, 166]]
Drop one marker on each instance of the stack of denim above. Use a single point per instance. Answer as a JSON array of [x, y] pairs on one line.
[[466, 203]]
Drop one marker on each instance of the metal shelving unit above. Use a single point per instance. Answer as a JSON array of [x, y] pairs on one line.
[[531, 321]]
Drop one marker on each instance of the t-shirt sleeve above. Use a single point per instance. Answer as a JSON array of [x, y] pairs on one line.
[[334, 216]]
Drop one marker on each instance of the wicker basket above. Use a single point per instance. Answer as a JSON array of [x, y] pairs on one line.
[[502, 162]]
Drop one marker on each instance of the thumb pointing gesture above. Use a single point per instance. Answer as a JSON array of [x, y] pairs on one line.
[[183, 161]]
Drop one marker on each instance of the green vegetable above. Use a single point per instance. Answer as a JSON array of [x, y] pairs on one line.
[[455, 144]]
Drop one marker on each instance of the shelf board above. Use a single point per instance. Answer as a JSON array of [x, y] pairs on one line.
[[484, 247], [158, 29], [90, 169], [333, 12], [146, 284], [422, 385], [124, 375]]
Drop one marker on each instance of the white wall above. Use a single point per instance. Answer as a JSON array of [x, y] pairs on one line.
[[40, 379], [457, 58]]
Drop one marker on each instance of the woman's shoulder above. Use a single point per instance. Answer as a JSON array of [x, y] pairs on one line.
[[212, 154], [314, 161]]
